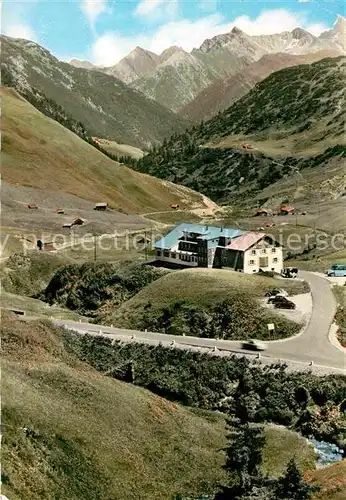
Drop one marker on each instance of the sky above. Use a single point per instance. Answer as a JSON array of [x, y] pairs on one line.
[[104, 31]]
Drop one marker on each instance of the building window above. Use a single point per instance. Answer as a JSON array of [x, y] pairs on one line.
[[253, 252], [165, 253], [264, 250], [263, 262], [275, 259], [158, 253], [273, 250], [173, 255], [252, 262]]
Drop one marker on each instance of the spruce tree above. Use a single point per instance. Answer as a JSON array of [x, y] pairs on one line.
[[291, 486], [244, 457]]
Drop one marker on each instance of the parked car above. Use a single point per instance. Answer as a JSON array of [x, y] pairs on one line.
[[337, 270], [281, 302], [254, 345], [289, 272]]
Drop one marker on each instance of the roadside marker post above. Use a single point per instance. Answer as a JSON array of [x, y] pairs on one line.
[[271, 328]]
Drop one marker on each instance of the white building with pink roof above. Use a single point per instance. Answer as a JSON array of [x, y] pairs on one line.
[[251, 252]]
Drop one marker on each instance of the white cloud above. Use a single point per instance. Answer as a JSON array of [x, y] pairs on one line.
[[303, 1], [20, 30], [92, 9], [14, 18], [154, 10], [146, 7], [111, 47], [316, 29]]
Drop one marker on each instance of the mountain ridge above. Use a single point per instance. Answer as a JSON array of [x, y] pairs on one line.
[[182, 77], [295, 117], [224, 92], [105, 105]]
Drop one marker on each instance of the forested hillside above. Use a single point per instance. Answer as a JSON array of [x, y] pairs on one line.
[[303, 105], [105, 105]]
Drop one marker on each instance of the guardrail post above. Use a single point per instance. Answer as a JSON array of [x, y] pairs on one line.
[[100, 332], [173, 342], [311, 363], [133, 336], [215, 349]]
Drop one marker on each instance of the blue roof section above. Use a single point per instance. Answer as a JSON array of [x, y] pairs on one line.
[[206, 233]]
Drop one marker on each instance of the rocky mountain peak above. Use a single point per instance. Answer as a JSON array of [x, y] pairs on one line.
[[168, 53], [139, 52], [81, 64], [300, 33], [237, 31], [340, 24]]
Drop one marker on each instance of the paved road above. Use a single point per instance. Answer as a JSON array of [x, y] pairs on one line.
[[312, 345]]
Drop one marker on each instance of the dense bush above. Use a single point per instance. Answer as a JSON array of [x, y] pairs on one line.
[[95, 288], [230, 384], [237, 317]]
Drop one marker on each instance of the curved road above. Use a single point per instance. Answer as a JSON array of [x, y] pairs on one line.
[[311, 348]]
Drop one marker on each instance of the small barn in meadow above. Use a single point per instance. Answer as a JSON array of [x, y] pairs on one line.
[[261, 212], [286, 210], [102, 206], [78, 222]]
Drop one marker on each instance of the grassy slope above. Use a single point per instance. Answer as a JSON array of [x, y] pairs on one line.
[[332, 479], [29, 274], [206, 286], [340, 318], [279, 446], [120, 149], [98, 438], [104, 104], [36, 150], [35, 307], [202, 289]]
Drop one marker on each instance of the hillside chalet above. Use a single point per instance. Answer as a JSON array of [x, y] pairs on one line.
[[196, 245], [101, 206], [287, 210]]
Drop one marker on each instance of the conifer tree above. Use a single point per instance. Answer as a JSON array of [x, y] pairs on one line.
[[291, 486]]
